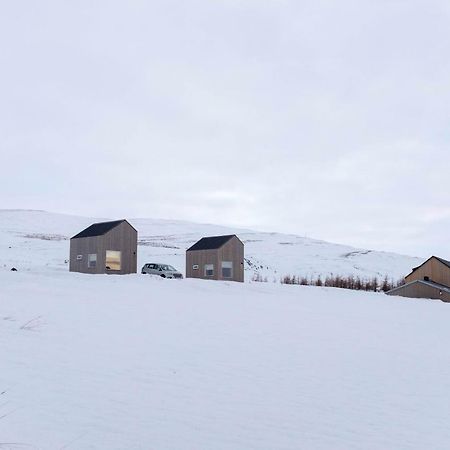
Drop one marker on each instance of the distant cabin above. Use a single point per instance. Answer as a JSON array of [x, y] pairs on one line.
[[429, 280], [105, 247], [216, 258]]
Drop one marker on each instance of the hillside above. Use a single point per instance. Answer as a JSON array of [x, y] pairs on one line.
[[39, 241]]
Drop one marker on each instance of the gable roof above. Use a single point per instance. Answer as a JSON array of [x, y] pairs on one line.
[[211, 242], [443, 261], [98, 229], [441, 287]]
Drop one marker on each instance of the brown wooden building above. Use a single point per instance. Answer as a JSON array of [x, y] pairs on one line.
[[429, 280], [216, 258], [105, 247]]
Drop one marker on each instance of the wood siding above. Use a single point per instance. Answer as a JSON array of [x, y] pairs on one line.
[[419, 290], [434, 269], [233, 251], [200, 258], [122, 238]]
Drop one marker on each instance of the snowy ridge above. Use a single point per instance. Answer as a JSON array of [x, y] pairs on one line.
[[39, 239]]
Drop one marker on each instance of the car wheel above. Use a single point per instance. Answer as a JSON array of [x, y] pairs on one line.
[[163, 276]]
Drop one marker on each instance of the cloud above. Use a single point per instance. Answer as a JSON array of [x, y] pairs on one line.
[[322, 118]]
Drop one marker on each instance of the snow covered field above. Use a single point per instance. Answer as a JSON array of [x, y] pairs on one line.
[[138, 362]]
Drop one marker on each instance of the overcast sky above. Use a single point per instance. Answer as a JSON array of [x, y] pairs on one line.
[[329, 119]]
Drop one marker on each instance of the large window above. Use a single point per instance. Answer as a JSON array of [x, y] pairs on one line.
[[113, 260], [209, 270], [227, 269], [92, 260]]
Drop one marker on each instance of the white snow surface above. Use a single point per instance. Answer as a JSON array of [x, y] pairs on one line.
[[39, 239], [139, 362]]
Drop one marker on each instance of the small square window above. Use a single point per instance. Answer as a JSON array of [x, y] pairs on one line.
[[209, 270], [92, 260], [227, 269]]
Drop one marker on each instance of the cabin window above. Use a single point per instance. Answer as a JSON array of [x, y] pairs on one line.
[[227, 269], [79, 257], [113, 260], [195, 267], [209, 270], [92, 260]]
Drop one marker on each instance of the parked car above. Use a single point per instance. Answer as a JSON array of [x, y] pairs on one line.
[[163, 270]]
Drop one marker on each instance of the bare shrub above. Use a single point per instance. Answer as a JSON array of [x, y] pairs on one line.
[[349, 282]]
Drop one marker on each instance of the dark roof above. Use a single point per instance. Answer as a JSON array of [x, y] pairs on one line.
[[211, 242], [443, 261], [98, 229]]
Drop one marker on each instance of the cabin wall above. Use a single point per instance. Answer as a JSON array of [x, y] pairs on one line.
[[83, 247], [122, 238], [200, 258], [434, 269], [419, 290], [233, 251]]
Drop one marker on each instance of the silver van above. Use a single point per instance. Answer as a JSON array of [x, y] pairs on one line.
[[163, 270]]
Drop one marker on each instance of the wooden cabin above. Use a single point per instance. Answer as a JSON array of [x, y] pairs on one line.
[[216, 258], [429, 280], [105, 247]]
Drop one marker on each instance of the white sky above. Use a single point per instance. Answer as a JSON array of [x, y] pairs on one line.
[[323, 118]]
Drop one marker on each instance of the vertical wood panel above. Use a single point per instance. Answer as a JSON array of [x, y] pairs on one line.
[[418, 290], [434, 269]]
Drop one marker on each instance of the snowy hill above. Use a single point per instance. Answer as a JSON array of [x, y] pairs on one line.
[[137, 362], [40, 240]]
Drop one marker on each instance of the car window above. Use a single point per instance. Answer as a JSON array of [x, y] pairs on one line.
[[160, 267]]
